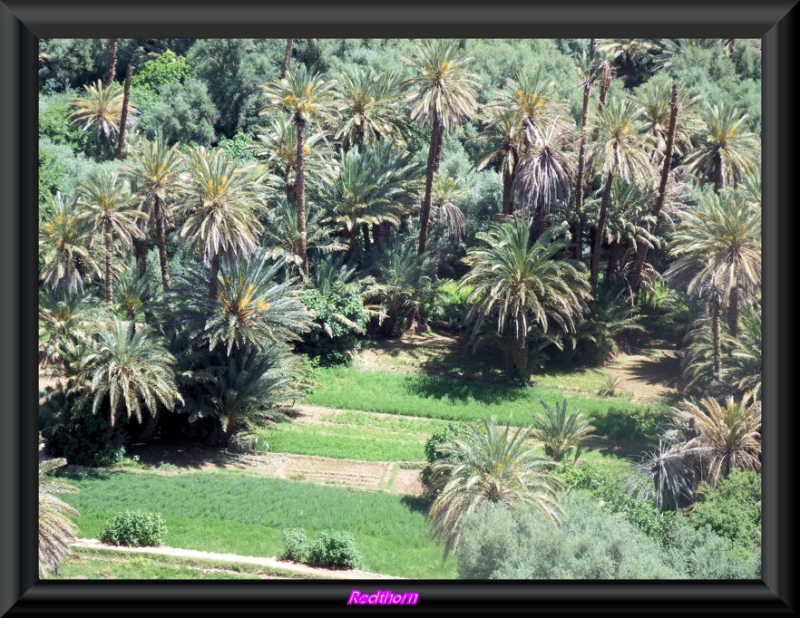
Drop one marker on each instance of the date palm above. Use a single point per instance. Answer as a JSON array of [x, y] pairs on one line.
[[308, 99], [370, 111], [501, 137], [64, 246], [518, 283], [620, 151], [154, 173], [728, 435], [101, 108], [490, 463], [107, 204], [728, 153], [746, 370], [252, 308], [443, 95], [56, 529], [127, 372], [560, 431], [221, 207], [718, 251]]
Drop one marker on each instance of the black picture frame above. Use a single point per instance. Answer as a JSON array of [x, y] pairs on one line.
[[23, 22]]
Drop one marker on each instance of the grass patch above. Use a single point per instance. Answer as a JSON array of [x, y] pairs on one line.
[[90, 563], [241, 513], [446, 398]]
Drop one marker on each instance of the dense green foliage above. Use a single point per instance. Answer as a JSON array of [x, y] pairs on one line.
[[136, 528]]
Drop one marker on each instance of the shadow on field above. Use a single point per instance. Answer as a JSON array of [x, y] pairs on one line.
[[178, 454], [461, 389], [416, 504]]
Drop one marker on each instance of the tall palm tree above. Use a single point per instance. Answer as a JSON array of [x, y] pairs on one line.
[[518, 283], [56, 529], [620, 152], [490, 464], [128, 371], [101, 108], [370, 107], [718, 251], [251, 308], [221, 207], [588, 71], [154, 173], [544, 174], [502, 139], [64, 246], [107, 202], [728, 152], [747, 355], [443, 95], [308, 99], [727, 436]]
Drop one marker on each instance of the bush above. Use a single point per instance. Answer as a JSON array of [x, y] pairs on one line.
[[136, 528], [335, 550], [502, 543], [295, 545], [432, 484]]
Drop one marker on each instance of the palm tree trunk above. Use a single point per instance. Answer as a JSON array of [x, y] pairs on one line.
[[112, 62], [614, 262], [733, 312], [598, 238], [717, 335], [140, 251], [109, 247], [300, 190], [719, 173], [539, 220], [287, 57], [213, 283], [365, 231], [123, 119], [577, 226], [434, 159], [162, 241], [642, 249], [508, 186]]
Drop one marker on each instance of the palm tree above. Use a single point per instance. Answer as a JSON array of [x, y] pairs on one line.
[[519, 283], [502, 138], [443, 95], [64, 246], [101, 108], [56, 529], [718, 251], [370, 110], [560, 431], [544, 174], [666, 471], [747, 355], [728, 152], [490, 464], [727, 436], [221, 207], [282, 235], [245, 389], [251, 308], [107, 202], [154, 173], [277, 145], [621, 151], [128, 371], [588, 71], [308, 99]]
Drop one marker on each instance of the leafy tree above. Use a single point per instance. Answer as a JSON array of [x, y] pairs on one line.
[[56, 529], [559, 431], [308, 99], [220, 207], [107, 204], [443, 95], [518, 283], [179, 112], [489, 464], [126, 371]]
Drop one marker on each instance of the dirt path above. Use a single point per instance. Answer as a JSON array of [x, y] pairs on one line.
[[288, 565]]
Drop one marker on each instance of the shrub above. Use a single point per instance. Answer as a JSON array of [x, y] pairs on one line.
[[137, 528], [501, 543], [335, 550], [295, 545], [432, 483]]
